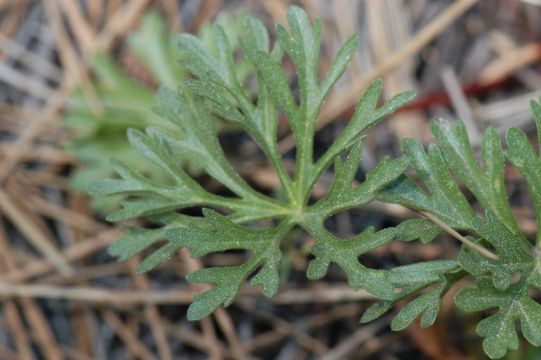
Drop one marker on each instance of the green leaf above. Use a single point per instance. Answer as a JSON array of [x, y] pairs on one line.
[[155, 47], [536, 112], [437, 276], [199, 143], [499, 329], [224, 235], [248, 220], [302, 44], [486, 184], [227, 281], [126, 104], [424, 230], [339, 65], [156, 151], [225, 55], [135, 241], [504, 280], [132, 183], [445, 200], [345, 254], [421, 273], [164, 253], [342, 195], [255, 35], [514, 257], [522, 155], [366, 115], [427, 305], [197, 59], [276, 84], [219, 104]]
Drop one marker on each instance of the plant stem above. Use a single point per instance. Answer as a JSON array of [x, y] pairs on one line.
[[479, 249]]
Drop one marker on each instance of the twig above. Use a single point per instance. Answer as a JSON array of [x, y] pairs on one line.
[[33, 233], [34, 317], [67, 216], [120, 23], [87, 273], [11, 313], [510, 62], [384, 39], [21, 146], [212, 343], [135, 347], [277, 9], [37, 63], [10, 22], [75, 353], [69, 58], [98, 295], [503, 45], [173, 14], [152, 315], [342, 350], [17, 329], [8, 354], [500, 111], [226, 324], [194, 339], [71, 253], [81, 29], [313, 322], [43, 153], [25, 83], [321, 294], [95, 10], [206, 11], [283, 328]]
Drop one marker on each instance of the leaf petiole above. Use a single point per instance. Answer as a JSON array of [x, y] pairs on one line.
[[477, 248]]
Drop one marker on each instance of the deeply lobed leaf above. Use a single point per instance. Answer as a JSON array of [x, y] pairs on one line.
[[434, 187], [513, 304], [213, 90], [447, 165], [126, 103]]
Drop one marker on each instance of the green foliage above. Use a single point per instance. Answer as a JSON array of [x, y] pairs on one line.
[[216, 90], [505, 282], [127, 103], [496, 254]]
